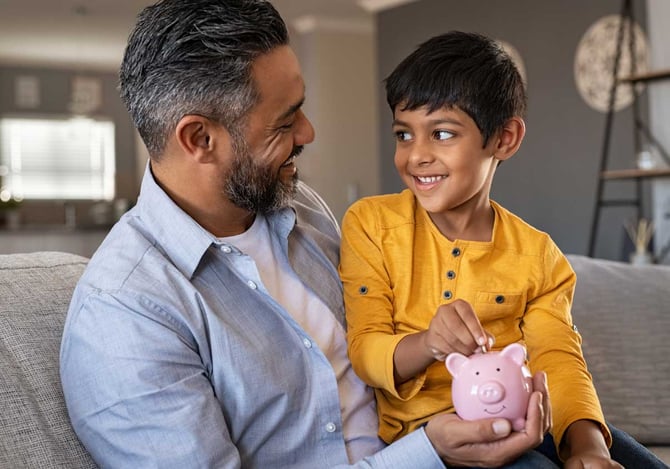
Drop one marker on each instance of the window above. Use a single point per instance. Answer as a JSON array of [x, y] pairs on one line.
[[63, 159]]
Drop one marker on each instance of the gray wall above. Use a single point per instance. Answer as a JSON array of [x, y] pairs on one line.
[[551, 181]]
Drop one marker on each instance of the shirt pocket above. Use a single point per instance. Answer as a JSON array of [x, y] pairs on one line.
[[500, 312]]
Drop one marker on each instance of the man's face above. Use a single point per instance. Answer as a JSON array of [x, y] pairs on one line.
[[262, 176]]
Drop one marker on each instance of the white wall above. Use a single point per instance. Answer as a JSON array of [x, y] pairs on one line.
[[659, 114], [338, 64]]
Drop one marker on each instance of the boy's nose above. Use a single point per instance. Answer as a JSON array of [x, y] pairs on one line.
[[420, 155]]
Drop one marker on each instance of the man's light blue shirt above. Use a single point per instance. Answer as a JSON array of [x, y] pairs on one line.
[[174, 354]]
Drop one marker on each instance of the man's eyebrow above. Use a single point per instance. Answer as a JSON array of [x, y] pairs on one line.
[[291, 110]]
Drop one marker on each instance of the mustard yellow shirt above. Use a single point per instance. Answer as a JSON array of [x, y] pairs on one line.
[[397, 268]]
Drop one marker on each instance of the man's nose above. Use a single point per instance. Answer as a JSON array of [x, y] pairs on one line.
[[304, 132]]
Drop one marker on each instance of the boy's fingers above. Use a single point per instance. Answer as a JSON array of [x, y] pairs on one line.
[[471, 321]]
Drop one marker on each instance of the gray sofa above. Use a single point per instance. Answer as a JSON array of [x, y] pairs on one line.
[[620, 310]]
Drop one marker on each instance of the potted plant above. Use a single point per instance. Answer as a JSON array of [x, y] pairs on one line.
[[9, 209], [640, 234]]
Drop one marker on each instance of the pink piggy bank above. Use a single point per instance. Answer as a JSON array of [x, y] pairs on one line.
[[493, 384]]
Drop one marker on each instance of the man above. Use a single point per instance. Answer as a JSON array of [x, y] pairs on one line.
[[208, 328]]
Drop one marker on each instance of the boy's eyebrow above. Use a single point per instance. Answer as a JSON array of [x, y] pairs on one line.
[[431, 122]]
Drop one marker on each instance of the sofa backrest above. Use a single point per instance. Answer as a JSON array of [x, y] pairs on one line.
[[623, 314], [35, 291], [621, 311]]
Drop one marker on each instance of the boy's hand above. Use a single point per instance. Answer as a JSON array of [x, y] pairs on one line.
[[591, 462], [455, 328], [586, 448]]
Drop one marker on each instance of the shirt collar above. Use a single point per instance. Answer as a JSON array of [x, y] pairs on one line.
[[176, 233]]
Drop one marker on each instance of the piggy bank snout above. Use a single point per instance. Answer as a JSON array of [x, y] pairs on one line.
[[491, 392]]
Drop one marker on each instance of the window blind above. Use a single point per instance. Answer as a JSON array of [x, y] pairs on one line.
[[61, 159]]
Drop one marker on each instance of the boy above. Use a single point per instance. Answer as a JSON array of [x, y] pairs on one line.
[[441, 268]]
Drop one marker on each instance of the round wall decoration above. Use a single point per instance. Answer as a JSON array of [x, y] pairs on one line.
[[594, 62]]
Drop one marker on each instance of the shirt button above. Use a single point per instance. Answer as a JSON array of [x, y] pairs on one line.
[[456, 252], [226, 249], [307, 342], [252, 285], [447, 295], [451, 275], [500, 299], [330, 427]]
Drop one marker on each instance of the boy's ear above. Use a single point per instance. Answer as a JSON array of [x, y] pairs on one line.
[[198, 137], [510, 138]]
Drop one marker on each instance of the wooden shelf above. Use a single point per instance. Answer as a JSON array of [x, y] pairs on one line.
[[635, 173], [645, 77]]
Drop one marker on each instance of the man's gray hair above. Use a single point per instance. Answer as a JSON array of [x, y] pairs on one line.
[[195, 57]]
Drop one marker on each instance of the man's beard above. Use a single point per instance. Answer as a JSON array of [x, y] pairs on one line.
[[257, 188]]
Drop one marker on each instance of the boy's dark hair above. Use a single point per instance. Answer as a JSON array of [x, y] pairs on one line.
[[467, 71], [195, 57]]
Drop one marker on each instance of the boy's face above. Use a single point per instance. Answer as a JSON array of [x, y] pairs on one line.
[[440, 158]]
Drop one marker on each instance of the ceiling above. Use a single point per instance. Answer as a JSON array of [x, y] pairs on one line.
[[91, 34]]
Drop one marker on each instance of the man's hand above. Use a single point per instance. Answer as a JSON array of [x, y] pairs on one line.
[[491, 442]]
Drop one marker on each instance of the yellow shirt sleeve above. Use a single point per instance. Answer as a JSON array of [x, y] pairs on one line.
[[368, 298], [554, 346]]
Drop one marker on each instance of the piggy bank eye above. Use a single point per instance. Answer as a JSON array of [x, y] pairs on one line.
[[497, 369], [476, 373]]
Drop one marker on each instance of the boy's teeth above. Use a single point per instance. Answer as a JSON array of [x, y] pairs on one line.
[[429, 179]]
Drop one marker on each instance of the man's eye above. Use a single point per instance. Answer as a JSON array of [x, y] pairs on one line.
[[402, 136], [442, 135], [286, 128]]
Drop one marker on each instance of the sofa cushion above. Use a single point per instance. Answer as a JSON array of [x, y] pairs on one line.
[[35, 291], [623, 314]]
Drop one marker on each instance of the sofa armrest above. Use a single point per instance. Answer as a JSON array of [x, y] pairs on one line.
[[35, 291], [623, 314]]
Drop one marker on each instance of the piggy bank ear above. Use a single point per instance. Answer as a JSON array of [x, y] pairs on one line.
[[455, 362], [516, 352]]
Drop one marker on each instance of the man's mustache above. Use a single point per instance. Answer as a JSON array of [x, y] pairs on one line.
[[297, 150]]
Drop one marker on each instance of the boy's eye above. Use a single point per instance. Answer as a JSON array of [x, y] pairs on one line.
[[442, 134], [402, 136]]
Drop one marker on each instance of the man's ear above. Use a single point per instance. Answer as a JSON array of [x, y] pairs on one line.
[[198, 137], [510, 138]]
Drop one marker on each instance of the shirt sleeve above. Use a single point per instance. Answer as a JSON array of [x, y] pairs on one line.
[[554, 346], [368, 301], [409, 452], [136, 389]]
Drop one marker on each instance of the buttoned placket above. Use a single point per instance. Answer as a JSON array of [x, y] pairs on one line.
[[454, 258]]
